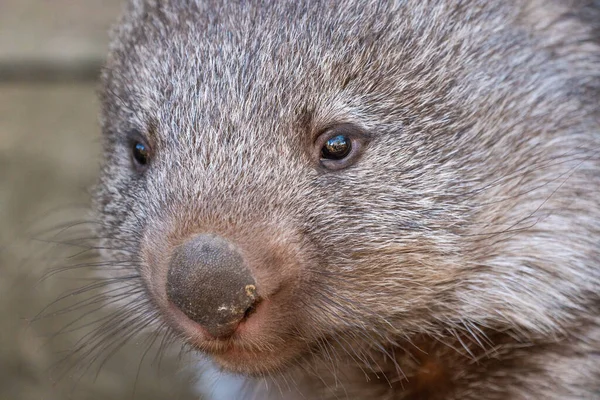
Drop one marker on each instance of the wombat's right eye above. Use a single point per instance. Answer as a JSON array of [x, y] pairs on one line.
[[140, 153]]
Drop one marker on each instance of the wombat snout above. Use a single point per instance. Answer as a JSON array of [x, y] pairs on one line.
[[210, 282]]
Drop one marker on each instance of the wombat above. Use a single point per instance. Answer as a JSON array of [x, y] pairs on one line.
[[361, 199]]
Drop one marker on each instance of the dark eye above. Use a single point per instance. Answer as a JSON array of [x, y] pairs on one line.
[[340, 146], [336, 148], [141, 153]]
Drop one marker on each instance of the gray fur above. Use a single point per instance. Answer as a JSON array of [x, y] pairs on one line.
[[459, 258]]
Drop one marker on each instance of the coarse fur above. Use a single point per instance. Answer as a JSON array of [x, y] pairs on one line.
[[458, 258]]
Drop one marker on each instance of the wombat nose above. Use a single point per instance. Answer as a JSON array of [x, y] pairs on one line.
[[209, 281]]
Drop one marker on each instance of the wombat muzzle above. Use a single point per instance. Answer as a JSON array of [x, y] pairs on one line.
[[210, 282]]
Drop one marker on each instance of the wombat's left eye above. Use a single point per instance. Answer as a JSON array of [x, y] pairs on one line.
[[340, 146], [336, 148]]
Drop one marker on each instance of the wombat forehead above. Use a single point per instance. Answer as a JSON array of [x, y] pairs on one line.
[[249, 66], [209, 60], [230, 61]]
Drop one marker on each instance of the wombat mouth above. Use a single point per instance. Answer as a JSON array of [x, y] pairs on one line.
[[247, 350]]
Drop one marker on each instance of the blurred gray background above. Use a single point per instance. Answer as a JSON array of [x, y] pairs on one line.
[[50, 53]]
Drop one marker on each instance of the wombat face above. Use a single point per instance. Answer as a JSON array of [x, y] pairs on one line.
[[297, 175]]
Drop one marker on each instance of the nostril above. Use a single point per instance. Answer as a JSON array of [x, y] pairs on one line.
[[251, 310], [209, 281]]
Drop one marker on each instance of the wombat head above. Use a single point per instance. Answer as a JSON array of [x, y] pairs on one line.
[[292, 174]]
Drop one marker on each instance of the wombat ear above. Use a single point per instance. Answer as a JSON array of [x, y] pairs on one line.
[[131, 11], [136, 7]]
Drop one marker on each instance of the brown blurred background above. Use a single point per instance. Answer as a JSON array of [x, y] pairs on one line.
[[50, 53]]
